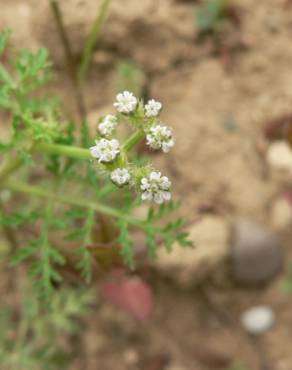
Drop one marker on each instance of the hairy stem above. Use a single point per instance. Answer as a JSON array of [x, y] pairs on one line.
[[72, 200], [90, 43]]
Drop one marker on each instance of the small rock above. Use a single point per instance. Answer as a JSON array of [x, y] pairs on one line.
[[279, 156], [281, 214], [257, 320], [256, 254], [187, 266]]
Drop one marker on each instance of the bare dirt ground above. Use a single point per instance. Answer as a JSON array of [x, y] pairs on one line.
[[217, 110]]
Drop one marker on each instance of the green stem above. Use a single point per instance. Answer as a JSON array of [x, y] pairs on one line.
[[133, 140], [13, 164], [65, 150], [83, 153], [72, 200], [90, 43]]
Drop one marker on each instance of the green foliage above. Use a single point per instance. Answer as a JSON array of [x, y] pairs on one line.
[[169, 233], [36, 340], [69, 199], [84, 235], [65, 209], [45, 256], [211, 16]]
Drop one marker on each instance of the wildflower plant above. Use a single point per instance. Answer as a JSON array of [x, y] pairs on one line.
[[113, 157], [67, 186]]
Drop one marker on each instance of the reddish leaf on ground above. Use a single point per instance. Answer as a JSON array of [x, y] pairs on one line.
[[131, 294]]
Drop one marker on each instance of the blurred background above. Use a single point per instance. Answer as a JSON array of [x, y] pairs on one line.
[[222, 70]]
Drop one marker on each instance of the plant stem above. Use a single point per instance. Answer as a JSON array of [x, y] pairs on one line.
[[79, 98], [13, 164], [65, 150], [82, 153], [72, 200], [91, 40], [63, 35], [133, 140]]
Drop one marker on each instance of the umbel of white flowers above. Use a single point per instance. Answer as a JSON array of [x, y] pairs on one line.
[[155, 187], [108, 125], [105, 151], [160, 137], [120, 176], [108, 152]]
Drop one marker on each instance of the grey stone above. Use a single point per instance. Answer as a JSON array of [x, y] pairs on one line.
[[256, 253]]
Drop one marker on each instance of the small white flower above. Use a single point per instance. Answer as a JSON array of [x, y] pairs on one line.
[[160, 137], [126, 102], [105, 150], [120, 176], [107, 126], [155, 188], [152, 108]]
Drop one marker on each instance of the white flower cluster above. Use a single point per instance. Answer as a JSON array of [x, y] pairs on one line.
[[108, 125], [155, 187], [105, 150], [152, 108], [120, 176], [160, 137], [126, 102]]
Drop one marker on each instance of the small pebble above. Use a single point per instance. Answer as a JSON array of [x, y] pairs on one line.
[[257, 320], [279, 156], [256, 253]]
